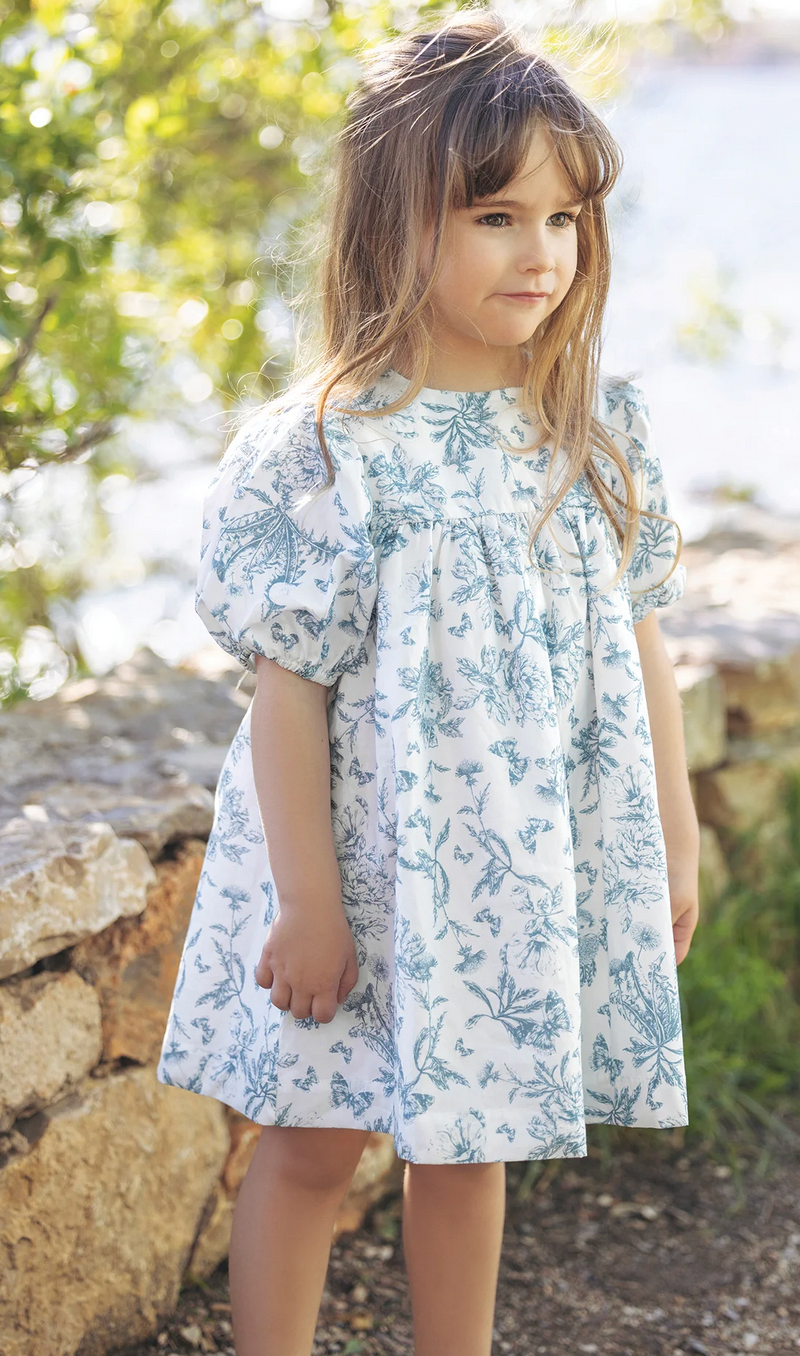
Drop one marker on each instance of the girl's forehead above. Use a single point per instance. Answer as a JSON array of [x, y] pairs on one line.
[[539, 171], [528, 191], [535, 176]]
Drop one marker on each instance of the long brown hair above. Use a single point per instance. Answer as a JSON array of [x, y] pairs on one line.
[[442, 117]]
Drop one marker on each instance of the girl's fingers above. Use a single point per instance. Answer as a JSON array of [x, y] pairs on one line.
[[280, 995], [323, 1008], [348, 980], [301, 1005], [264, 976]]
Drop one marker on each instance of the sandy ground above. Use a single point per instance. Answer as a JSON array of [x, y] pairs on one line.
[[649, 1251]]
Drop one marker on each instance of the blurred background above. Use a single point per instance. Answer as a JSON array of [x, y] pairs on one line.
[[159, 169], [157, 165]]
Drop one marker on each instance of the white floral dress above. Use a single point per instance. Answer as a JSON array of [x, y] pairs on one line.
[[493, 792]]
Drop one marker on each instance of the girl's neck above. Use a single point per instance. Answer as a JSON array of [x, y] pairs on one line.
[[454, 372]]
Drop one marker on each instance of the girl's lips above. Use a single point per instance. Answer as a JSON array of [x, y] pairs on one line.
[[525, 296]]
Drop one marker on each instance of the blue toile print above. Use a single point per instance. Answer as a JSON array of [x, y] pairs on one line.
[[493, 792]]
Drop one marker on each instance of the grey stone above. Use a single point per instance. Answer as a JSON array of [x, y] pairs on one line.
[[139, 749], [62, 882], [704, 721]]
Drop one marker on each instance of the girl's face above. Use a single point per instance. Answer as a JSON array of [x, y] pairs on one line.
[[522, 240]]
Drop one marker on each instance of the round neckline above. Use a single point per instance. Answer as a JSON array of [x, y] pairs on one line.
[[391, 374]]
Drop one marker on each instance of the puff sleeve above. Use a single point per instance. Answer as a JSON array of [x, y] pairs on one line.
[[657, 541], [292, 580]]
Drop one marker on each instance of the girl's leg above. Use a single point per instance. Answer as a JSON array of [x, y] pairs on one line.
[[282, 1232], [453, 1217]]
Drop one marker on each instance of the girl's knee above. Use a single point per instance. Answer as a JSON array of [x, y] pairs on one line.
[[455, 1175], [312, 1158]]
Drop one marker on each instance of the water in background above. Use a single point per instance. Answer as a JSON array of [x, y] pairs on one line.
[[705, 297]]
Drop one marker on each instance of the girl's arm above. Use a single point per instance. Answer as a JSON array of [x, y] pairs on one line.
[[292, 773], [309, 960], [676, 806]]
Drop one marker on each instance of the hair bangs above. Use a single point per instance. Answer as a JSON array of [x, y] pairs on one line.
[[487, 126], [590, 161]]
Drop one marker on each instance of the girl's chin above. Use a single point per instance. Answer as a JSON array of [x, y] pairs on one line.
[[499, 336], [512, 338]]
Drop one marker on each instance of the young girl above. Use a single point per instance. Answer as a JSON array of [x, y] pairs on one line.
[[454, 856]]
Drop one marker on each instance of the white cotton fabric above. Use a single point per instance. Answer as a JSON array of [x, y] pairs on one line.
[[493, 792]]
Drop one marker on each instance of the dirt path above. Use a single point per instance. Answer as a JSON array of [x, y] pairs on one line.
[[653, 1254]]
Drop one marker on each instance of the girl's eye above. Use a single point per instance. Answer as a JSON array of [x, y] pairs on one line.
[[571, 217], [493, 216]]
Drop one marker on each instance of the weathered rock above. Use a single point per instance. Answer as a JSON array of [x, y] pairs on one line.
[[704, 722], [742, 604], [62, 882], [134, 963], [213, 1237], [714, 873], [748, 795], [780, 748], [50, 1038], [139, 749], [135, 808], [244, 1135], [97, 1220], [214, 1233], [764, 697]]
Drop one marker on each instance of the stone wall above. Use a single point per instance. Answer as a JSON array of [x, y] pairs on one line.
[[106, 802], [107, 799], [735, 640]]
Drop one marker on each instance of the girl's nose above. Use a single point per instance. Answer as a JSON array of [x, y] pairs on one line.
[[536, 265], [537, 256]]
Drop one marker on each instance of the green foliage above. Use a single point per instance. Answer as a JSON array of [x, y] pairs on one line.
[[141, 158], [710, 334], [152, 170], [732, 492], [146, 161], [156, 162], [740, 991]]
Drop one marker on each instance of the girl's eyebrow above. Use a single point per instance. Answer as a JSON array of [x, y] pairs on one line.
[[511, 202]]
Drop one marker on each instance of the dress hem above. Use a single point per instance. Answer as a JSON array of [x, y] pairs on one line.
[[572, 1145]]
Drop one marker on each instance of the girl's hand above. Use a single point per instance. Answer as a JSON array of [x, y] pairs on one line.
[[308, 961]]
